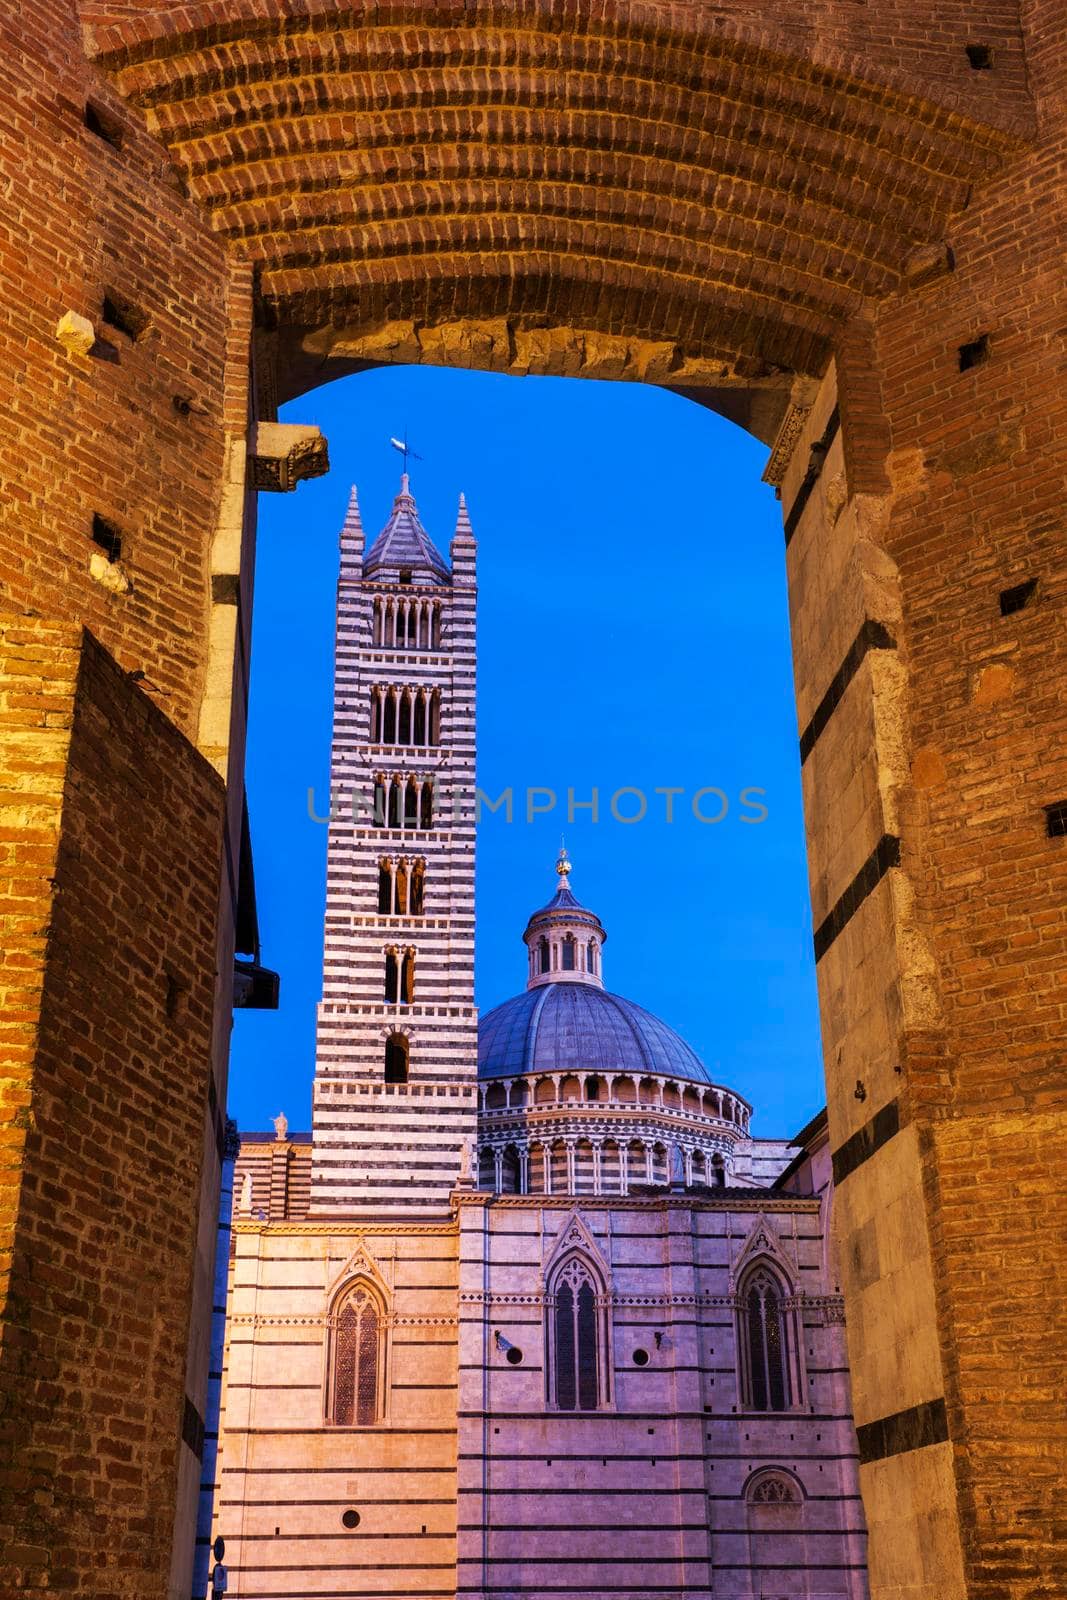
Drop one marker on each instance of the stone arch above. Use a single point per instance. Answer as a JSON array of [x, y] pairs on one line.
[[891, 136], [719, 258]]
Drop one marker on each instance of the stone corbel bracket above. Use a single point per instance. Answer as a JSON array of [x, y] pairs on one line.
[[281, 454]]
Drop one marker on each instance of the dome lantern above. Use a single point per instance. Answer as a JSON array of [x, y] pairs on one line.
[[564, 939]]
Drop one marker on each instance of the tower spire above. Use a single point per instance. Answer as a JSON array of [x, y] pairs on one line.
[[404, 545]]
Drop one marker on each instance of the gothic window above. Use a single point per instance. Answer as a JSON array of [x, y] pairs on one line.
[[418, 888], [407, 987], [568, 954], [411, 804], [392, 972], [385, 887], [426, 817], [390, 719], [356, 1379], [772, 1490], [763, 1326], [396, 1059], [401, 906], [419, 732], [576, 1342], [381, 802]]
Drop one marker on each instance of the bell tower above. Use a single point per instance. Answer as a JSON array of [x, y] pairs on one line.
[[396, 1059]]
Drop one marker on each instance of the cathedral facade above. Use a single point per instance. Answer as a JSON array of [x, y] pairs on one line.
[[530, 1312]]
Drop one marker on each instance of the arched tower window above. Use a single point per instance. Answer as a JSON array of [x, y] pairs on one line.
[[385, 886], [396, 1058], [568, 954], [765, 1350], [578, 1377], [407, 986], [418, 888], [590, 957], [773, 1489], [357, 1364], [392, 971], [543, 955]]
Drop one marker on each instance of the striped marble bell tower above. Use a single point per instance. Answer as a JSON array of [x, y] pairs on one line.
[[395, 1092]]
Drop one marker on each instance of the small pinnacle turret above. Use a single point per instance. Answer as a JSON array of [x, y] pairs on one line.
[[352, 540]]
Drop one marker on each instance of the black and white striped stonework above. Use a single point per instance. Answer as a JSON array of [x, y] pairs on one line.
[[383, 1145]]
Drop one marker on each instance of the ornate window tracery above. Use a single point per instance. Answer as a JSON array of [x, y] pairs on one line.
[[357, 1360], [772, 1491], [578, 1376], [764, 1342]]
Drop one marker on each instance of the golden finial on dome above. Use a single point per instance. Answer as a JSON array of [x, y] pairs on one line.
[[563, 865]]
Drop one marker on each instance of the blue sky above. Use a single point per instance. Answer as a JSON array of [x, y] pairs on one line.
[[633, 634]]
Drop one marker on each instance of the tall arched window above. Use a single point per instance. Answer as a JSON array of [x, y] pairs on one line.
[[543, 955], [766, 1355], [357, 1365], [418, 888], [396, 1059], [385, 886], [568, 954], [577, 1372], [392, 972]]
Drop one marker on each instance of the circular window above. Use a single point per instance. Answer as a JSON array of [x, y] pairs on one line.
[[350, 1519], [514, 1356], [640, 1358]]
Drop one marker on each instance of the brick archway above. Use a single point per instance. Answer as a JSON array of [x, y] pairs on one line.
[[840, 230], [636, 190]]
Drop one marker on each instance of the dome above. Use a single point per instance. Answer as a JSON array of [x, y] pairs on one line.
[[567, 1027]]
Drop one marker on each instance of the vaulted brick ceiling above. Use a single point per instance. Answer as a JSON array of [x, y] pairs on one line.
[[731, 188]]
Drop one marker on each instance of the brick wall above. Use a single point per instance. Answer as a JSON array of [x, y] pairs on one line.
[[110, 816], [101, 432]]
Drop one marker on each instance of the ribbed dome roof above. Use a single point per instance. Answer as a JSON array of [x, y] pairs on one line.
[[564, 1027]]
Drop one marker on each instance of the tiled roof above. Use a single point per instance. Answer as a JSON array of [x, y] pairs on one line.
[[404, 542]]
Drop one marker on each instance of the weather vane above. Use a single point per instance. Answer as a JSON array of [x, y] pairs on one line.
[[405, 449]]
